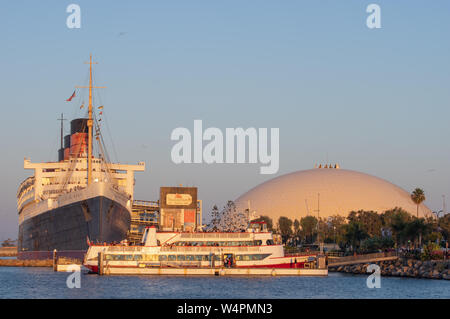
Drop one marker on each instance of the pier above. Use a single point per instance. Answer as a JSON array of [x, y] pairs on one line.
[[25, 263], [362, 259], [8, 251], [214, 271]]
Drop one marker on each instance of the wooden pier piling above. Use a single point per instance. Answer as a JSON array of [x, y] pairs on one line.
[[100, 263]]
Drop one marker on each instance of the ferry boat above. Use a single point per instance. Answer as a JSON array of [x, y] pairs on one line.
[[254, 248], [80, 198]]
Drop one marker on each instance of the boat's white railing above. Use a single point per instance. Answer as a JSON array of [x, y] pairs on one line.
[[208, 248], [138, 202], [124, 248], [215, 235], [185, 248]]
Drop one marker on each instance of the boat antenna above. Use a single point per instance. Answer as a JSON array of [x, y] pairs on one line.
[[90, 120]]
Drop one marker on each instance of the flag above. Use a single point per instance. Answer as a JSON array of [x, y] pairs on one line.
[[70, 98], [88, 241], [82, 105], [100, 107], [101, 113]]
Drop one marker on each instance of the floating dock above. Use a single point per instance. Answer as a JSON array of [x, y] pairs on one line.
[[212, 271], [8, 251]]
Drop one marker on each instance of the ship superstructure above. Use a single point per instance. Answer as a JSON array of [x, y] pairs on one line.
[[81, 198]]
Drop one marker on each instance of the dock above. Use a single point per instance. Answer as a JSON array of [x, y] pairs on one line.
[[8, 251], [363, 259], [156, 271], [25, 263]]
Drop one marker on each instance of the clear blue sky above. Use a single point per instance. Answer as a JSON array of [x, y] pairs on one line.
[[375, 101]]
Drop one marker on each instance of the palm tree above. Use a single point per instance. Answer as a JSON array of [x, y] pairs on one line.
[[418, 196]]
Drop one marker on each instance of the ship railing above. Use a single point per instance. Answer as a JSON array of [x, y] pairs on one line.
[[123, 248], [208, 248], [367, 256], [138, 202], [215, 235], [301, 254]]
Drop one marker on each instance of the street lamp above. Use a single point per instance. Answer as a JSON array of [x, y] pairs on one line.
[[438, 212], [334, 227]]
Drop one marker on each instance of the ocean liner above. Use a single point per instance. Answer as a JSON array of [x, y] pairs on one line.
[[79, 199]]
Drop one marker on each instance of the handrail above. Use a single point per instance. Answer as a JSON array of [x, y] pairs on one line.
[[206, 248], [138, 202], [365, 256]]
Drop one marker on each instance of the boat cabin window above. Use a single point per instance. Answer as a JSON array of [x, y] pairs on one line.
[[151, 257], [258, 227], [172, 257], [270, 242], [162, 257], [181, 258], [251, 257]]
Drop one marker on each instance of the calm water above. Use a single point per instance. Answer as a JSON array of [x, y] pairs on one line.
[[44, 283]]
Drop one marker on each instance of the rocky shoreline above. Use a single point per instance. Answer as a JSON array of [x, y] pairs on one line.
[[434, 269]]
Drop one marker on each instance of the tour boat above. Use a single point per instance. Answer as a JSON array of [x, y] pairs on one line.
[[254, 248]]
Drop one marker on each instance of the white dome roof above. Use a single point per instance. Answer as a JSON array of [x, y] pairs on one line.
[[341, 191]]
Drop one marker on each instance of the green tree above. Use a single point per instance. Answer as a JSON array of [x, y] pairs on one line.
[[418, 196], [309, 227], [375, 243], [354, 234], [370, 221], [296, 227], [417, 228], [267, 220], [285, 227], [215, 219], [396, 220], [336, 225], [444, 226]]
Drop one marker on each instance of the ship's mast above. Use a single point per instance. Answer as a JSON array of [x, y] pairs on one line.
[[90, 120], [89, 124]]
